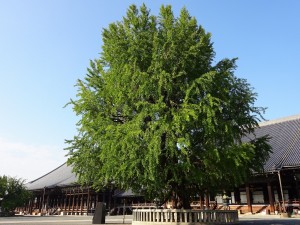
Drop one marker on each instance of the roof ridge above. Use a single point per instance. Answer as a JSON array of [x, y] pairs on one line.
[[279, 120]]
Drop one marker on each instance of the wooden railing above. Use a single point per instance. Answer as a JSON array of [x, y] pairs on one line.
[[178, 216]]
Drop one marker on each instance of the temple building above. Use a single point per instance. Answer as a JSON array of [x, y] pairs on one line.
[[58, 193], [275, 190]]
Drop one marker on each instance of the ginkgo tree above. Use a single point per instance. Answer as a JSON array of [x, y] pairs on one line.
[[158, 115]]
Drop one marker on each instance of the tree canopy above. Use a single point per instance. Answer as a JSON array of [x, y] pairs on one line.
[[12, 193], [159, 116]]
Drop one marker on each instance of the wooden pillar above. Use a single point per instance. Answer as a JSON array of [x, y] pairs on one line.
[[27, 206], [31, 205], [81, 203], [58, 201], [201, 201], [47, 202], [40, 203], [88, 201], [271, 197], [61, 201], [36, 202], [65, 200], [109, 198], [92, 200], [77, 200], [69, 202], [43, 199], [248, 195], [297, 189], [237, 196], [95, 200], [206, 200], [73, 201]]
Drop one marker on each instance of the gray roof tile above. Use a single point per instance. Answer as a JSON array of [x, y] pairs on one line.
[[61, 176], [285, 142]]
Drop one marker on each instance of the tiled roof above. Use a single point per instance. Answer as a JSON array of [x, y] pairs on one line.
[[285, 142], [61, 176]]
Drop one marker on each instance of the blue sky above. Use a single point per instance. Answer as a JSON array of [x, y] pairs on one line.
[[45, 46]]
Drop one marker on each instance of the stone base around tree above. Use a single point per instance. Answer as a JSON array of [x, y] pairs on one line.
[[183, 217]]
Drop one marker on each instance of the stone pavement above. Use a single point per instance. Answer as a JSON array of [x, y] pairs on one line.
[[61, 220], [245, 219], [259, 219]]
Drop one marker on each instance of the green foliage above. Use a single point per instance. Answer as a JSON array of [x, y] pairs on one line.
[[13, 193], [157, 116]]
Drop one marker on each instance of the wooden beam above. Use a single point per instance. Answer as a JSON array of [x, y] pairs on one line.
[[281, 190]]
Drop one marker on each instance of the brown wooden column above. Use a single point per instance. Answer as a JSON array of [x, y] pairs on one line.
[[73, 201], [81, 203], [271, 197], [65, 201], [248, 195], [93, 200], [69, 202], [104, 196], [109, 198], [37, 203], [61, 201], [201, 201], [41, 203], [31, 206], [88, 200], [43, 199], [47, 202], [206, 200], [237, 196], [76, 202], [297, 189], [97, 200]]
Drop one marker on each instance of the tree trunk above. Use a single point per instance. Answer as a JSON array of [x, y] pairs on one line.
[[183, 198]]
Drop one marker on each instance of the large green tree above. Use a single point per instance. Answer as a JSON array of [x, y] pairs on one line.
[[13, 193], [159, 116]]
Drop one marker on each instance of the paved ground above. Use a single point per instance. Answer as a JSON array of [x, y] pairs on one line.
[[80, 220], [267, 220], [60, 220]]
